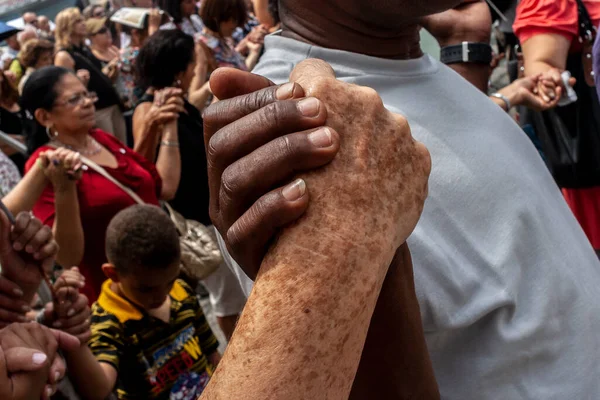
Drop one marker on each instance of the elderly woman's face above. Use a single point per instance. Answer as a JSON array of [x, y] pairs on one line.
[[73, 110]]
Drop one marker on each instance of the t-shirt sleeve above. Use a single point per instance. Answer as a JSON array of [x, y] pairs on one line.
[[106, 342], [536, 17]]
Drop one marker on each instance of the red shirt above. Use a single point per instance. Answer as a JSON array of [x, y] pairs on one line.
[[100, 200], [536, 17]]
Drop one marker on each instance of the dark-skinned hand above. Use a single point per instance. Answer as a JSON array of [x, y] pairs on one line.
[[257, 139], [24, 247]]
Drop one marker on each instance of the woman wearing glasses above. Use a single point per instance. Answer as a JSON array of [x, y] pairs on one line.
[[72, 53], [80, 202]]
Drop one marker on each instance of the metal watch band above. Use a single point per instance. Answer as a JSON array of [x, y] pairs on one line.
[[504, 99], [467, 52]]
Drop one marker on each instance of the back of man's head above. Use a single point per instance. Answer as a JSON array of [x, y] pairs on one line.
[[369, 12], [142, 237]]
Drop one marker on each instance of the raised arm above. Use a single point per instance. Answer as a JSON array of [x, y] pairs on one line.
[[67, 227], [149, 119], [304, 327], [27, 192]]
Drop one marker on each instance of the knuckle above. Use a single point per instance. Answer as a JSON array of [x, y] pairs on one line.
[[286, 147], [270, 115], [229, 183]]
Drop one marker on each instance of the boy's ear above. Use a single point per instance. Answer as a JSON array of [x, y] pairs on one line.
[[110, 272]]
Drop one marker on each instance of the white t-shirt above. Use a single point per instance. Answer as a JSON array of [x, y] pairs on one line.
[[508, 284]]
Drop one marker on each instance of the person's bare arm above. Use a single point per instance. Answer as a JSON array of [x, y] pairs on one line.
[[199, 91], [27, 192], [261, 10], [470, 21], [304, 327], [94, 380], [150, 118], [395, 362], [64, 59], [545, 51], [168, 162], [547, 54]]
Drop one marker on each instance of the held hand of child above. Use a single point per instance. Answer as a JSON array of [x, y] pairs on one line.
[[70, 312]]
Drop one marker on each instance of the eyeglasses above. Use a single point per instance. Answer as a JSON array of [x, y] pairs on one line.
[[79, 99]]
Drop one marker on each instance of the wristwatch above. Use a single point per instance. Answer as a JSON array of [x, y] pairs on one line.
[[504, 99], [466, 52]]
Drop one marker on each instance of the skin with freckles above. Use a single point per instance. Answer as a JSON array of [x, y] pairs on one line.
[[303, 330]]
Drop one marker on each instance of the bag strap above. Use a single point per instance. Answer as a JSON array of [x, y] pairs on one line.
[[108, 176], [587, 30]]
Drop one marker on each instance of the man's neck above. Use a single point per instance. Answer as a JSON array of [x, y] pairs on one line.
[[401, 42]]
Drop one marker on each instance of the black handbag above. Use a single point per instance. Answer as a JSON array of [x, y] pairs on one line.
[[570, 135]]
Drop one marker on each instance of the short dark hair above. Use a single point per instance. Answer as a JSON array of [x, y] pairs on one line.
[[173, 8], [142, 236], [166, 54], [214, 12]]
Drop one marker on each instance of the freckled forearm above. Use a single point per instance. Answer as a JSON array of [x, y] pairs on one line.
[[311, 304]]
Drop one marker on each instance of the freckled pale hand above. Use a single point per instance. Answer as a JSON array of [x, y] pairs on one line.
[[306, 321]]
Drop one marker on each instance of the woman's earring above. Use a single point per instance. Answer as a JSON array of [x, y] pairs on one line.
[[50, 135], [178, 83]]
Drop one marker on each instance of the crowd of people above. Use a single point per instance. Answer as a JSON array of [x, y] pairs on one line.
[[367, 222]]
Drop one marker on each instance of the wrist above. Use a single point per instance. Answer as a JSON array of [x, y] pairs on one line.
[[64, 189], [512, 93]]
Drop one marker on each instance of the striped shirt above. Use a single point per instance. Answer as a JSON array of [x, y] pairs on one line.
[[153, 359]]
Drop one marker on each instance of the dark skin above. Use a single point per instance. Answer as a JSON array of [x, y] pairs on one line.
[[379, 28], [250, 216], [248, 203], [470, 21]]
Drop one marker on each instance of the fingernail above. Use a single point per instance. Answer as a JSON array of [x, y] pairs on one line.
[[17, 246], [71, 313], [295, 190], [39, 358], [26, 308], [56, 376], [29, 249], [49, 392], [18, 292], [546, 99], [22, 318], [285, 91], [57, 324], [321, 137], [309, 107]]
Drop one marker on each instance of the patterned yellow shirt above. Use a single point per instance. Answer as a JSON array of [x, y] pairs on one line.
[[154, 359]]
